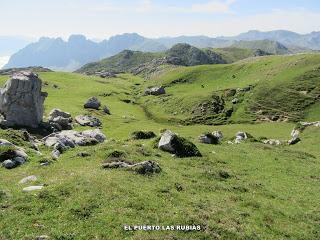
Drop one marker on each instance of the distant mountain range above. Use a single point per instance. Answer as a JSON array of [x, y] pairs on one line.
[[58, 54]]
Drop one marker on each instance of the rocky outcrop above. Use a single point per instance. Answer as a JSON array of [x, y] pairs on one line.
[[181, 147], [211, 138], [274, 142], [64, 140], [11, 156], [90, 121], [155, 91], [92, 103], [146, 167], [21, 100], [60, 120]]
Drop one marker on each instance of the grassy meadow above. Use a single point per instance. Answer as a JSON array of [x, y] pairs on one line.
[[242, 191]]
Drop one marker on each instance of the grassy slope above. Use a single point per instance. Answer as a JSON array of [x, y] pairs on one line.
[[278, 81], [272, 192], [121, 62], [233, 54]]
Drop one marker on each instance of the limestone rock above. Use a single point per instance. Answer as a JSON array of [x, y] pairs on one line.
[[90, 121], [9, 164], [31, 178], [179, 146], [146, 167], [93, 103], [294, 141], [274, 142], [165, 142], [32, 188], [21, 100], [60, 120], [66, 139], [155, 91], [240, 136]]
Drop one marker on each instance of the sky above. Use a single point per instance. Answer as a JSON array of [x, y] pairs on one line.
[[100, 19]]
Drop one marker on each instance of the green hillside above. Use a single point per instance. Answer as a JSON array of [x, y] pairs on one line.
[[233, 54], [178, 55], [234, 191], [270, 88], [122, 62], [268, 46]]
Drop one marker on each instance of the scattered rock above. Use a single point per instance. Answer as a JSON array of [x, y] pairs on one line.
[[32, 188], [211, 138], [240, 136], [4, 142], [42, 237], [21, 100], [272, 142], [308, 124], [12, 156], [106, 110], [295, 133], [93, 103], [181, 147], [90, 121], [60, 120], [230, 92], [235, 101], [105, 74], [31, 178], [155, 91], [294, 141], [63, 140], [146, 167], [9, 164], [143, 135]]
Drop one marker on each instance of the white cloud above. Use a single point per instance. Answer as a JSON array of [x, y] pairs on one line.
[[215, 6]]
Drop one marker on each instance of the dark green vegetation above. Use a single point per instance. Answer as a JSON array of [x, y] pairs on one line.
[[242, 191]]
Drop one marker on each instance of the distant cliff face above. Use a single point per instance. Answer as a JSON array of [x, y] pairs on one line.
[[58, 54]]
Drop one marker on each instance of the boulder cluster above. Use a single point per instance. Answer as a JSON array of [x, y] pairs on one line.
[[11, 156]]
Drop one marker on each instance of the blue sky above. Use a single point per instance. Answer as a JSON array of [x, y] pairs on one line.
[[154, 18]]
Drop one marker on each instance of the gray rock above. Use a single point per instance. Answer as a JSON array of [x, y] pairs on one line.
[[272, 142], [295, 133], [240, 136], [31, 178], [9, 164], [294, 141], [155, 91], [165, 142], [96, 134], [60, 120], [55, 154], [106, 110], [63, 140], [42, 237], [93, 103], [32, 188], [21, 100], [4, 142], [235, 101], [146, 167], [218, 135], [19, 160], [90, 121], [20, 153]]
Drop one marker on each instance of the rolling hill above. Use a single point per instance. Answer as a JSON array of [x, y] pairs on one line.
[[179, 55]]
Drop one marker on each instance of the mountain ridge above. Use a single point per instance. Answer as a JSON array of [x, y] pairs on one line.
[[55, 53]]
